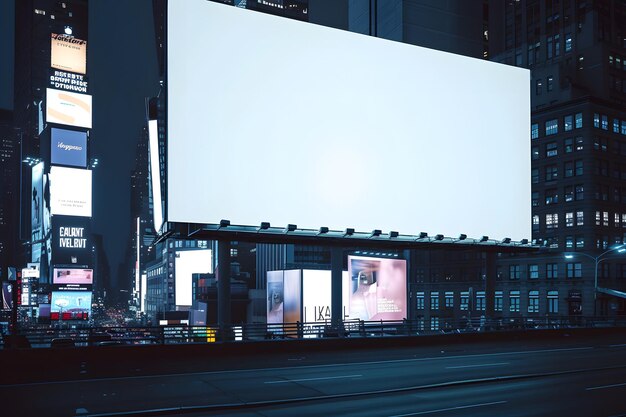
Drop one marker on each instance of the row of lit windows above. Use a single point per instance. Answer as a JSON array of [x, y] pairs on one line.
[[617, 62], [602, 121], [571, 193], [479, 303], [572, 270], [551, 126], [551, 172]]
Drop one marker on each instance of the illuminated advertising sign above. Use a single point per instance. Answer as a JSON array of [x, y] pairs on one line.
[[316, 296], [68, 81], [275, 297], [68, 53], [377, 288], [7, 296], [70, 191], [189, 262], [29, 279], [68, 147], [71, 241], [390, 136], [78, 278], [37, 206], [70, 305], [68, 108]]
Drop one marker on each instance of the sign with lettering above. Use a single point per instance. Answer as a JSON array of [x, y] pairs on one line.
[[71, 246], [68, 53]]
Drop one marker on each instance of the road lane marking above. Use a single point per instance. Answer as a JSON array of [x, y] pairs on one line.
[[606, 386], [311, 379], [477, 366], [441, 410], [281, 368]]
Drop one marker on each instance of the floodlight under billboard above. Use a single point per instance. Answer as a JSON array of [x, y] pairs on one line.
[[341, 129], [66, 108], [70, 191]]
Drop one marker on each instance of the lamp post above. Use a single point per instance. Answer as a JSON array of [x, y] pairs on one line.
[[597, 259]]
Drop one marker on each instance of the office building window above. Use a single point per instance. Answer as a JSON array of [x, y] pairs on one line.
[[552, 221], [480, 301], [579, 167], [534, 152], [498, 301], [552, 127], [464, 302], [568, 193], [615, 125], [420, 301], [514, 272], [569, 219], [568, 169], [514, 301], [449, 299], [580, 192], [550, 83], [434, 300], [580, 143], [552, 173], [579, 120], [605, 122], [569, 242], [534, 131], [434, 323], [623, 125], [533, 301], [574, 270], [552, 196], [568, 123], [580, 218], [538, 86], [536, 222], [596, 120], [420, 323], [535, 199], [553, 302], [552, 271], [551, 149], [534, 175], [533, 271], [568, 145], [568, 42]]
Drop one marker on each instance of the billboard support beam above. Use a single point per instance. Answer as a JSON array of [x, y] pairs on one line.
[[223, 288], [491, 271], [336, 266]]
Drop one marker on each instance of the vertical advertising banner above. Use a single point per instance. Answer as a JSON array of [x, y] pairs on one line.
[[316, 295], [7, 296], [68, 147], [70, 191], [71, 241], [377, 288], [37, 208], [275, 297], [68, 53], [66, 108]]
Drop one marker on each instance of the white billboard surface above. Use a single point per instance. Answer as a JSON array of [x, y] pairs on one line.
[[71, 109], [271, 119], [187, 263], [70, 191]]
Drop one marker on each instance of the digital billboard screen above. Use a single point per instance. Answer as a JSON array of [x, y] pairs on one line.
[[377, 288], [68, 147], [7, 296], [376, 135], [67, 108], [72, 276], [37, 203], [68, 53], [187, 263], [70, 305], [275, 297], [71, 241], [70, 191]]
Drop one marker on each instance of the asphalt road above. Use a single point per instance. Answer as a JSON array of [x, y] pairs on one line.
[[578, 378]]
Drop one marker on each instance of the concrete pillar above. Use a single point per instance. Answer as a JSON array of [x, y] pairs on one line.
[[336, 266], [223, 286], [491, 272]]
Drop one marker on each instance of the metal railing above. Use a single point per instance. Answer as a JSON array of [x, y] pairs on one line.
[[45, 337]]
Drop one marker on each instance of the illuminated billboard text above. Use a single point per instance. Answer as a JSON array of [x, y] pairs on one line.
[[68, 147], [68, 53]]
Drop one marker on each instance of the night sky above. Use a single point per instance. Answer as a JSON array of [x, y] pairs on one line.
[[122, 69]]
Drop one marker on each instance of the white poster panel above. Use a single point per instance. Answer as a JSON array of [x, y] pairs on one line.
[[70, 191], [66, 108], [189, 262], [68, 53]]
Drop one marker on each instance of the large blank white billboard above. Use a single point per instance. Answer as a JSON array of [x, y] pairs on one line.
[[271, 119], [70, 191], [189, 262]]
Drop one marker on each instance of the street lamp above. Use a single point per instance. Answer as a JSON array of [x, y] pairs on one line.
[[597, 259]]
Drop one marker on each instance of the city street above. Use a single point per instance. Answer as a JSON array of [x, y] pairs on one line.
[[528, 378]]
